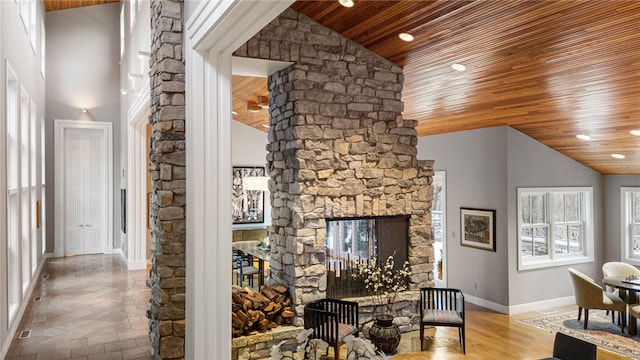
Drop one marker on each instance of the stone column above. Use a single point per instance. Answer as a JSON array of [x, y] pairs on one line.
[[167, 310], [338, 148]]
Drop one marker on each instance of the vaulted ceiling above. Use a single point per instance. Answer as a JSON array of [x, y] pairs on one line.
[[52, 5], [551, 69]]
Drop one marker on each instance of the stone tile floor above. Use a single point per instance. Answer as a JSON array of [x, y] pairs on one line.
[[91, 307]]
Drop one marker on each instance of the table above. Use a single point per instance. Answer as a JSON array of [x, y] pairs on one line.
[[251, 248], [631, 289]]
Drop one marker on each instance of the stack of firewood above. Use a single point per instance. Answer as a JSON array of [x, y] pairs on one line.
[[271, 307]]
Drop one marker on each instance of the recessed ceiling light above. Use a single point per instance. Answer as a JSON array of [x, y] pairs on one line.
[[233, 112], [458, 67], [583, 137], [346, 3], [635, 132], [253, 107], [617, 156], [405, 36]]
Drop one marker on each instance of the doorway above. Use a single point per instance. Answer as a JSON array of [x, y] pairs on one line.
[[83, 172], [439, 223]]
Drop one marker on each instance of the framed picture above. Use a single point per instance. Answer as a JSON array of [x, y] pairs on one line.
[[477, 228], [247, 203]]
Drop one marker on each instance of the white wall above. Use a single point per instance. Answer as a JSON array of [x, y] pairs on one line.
[[134, 100], [15, 47], [249, 148], [484, 169], [83, 52]]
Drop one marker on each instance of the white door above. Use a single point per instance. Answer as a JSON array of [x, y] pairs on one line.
[[85, 185]]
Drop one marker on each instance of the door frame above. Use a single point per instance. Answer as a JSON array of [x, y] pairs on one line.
[[61, 126], [136, 237], [443, 198], [214, 31]]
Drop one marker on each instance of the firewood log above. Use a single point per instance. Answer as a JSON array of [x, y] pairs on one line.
[[237, 298], [269, 292], [280, 288], [263, 324]]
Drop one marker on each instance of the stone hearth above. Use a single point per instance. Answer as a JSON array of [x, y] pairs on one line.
[[338, 147]]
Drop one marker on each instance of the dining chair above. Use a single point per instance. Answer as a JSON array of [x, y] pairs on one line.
[[332, 320], [567, 347], [244, 267], [634, 312], [442, 307], [590, 295], [617, 268]]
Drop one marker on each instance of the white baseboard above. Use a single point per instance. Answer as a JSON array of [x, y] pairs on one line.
[[132, 264], [522, 308], [486, 303], [541, 305], [13, 327]]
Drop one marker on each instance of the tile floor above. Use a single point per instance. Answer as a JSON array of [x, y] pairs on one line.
[[91, 307]]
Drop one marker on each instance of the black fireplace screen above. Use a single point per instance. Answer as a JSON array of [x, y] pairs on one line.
[[352, 240]]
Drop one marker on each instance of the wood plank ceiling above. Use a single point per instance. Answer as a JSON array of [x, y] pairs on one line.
[[550, 69], [53, 5]]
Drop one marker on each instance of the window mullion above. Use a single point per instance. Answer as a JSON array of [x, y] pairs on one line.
[[551, 224]]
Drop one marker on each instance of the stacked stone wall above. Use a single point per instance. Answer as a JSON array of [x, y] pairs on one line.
[[338, 147], [167, 282]]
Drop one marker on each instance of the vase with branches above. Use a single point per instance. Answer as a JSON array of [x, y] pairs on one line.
[[383, 281]]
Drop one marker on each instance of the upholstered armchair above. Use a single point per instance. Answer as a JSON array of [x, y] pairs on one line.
[[590, 295], [332, 320], [616, 268]]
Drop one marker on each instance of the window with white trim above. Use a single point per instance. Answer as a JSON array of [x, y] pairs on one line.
[[33, 159], [122, 26], [12, 88], [43, 47], [25, 189], [630, 218], [132, 14], [555, 226]]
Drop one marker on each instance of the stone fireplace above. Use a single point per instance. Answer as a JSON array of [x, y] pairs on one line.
[[357, 241], [338, 148]]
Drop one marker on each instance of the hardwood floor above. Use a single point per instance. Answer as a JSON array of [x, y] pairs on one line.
[[490, 335], [93, 308]]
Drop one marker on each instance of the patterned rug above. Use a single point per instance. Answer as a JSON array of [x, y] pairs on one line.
[[600, 331]]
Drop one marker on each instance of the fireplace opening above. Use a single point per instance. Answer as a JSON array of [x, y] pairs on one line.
[[352, 240]]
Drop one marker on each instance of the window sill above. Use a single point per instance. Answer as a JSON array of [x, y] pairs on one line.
[[553, 263]]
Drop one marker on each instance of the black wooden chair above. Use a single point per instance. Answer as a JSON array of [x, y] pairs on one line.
[[442, 307], [332, 320], [243, 265], [566, 347]]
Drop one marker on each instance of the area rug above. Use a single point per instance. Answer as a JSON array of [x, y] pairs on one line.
[[601, 331]]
